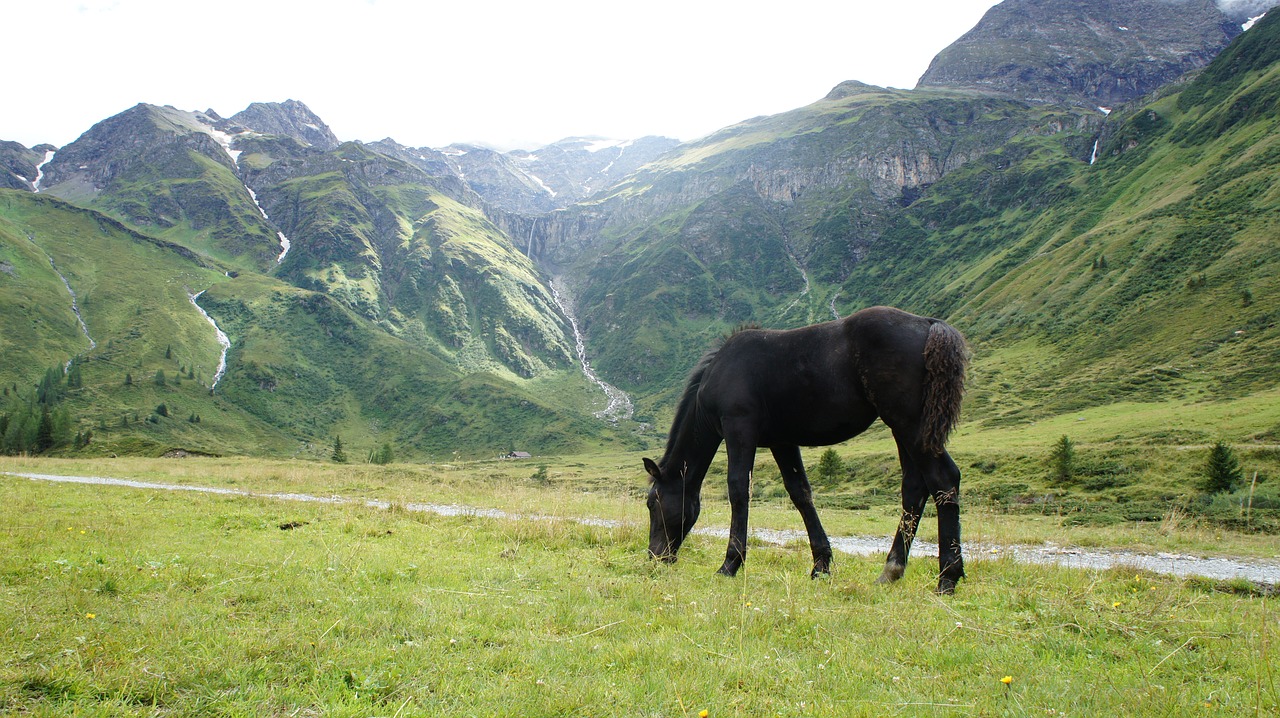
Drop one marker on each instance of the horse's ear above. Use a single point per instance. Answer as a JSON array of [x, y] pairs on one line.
[[653, 469]]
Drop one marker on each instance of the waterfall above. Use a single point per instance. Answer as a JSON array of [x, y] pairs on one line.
[[619, 404], [75, 308], [1094, 157], [223, 340]]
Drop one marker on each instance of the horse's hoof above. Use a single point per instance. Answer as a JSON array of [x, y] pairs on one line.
[[946, 586], [727, 570], [820, 570], [892, 572]]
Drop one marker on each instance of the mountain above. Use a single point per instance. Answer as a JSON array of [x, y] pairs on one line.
[[166, 172], [286, 119], [1088, 52], [552, 177], [764, 221], [448, 300], [575, 168]]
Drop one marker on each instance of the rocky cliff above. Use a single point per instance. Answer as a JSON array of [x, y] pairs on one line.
[[1087, 52]]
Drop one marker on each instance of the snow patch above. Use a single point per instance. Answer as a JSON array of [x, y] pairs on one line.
[[540, 183], [1104, 110], [48, 157], [1094, 156], [1252, 21], [597, 145]]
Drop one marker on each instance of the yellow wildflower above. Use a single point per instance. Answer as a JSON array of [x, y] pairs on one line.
[[90, 615], [1007, 680], [703, 713]]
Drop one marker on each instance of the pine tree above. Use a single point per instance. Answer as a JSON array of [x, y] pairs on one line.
[[339, 455], [1062, 460], [830, 468], [160, 377], [383, 455], [1222, 473], [44, 432], [128, 379]]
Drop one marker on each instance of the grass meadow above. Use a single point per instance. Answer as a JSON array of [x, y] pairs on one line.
[[142, 602]]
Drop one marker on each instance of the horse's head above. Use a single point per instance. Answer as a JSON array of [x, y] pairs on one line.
[[672, 511]]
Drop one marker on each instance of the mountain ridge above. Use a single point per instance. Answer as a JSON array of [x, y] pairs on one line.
[[412, 302]]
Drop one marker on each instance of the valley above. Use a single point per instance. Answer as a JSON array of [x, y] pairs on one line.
[[1104, 234]]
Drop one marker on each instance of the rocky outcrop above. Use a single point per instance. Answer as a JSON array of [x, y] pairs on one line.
[[19, 165], [1085, 52], [289, 119], [888, 144]]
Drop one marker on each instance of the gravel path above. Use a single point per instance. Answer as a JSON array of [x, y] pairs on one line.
[[1259, 571]]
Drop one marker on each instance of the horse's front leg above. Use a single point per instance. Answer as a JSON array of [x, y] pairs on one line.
[[797, 483], [741, 461]]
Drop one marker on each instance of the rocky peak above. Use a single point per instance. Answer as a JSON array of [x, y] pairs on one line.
[[290, 119], [1085, 52], [143, 133]]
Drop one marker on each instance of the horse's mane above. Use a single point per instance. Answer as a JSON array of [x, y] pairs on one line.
[[745, 326], [687, 407]]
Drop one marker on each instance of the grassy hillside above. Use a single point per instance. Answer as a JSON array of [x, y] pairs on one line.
[[386, 240], [1149, 275], [303, 367]]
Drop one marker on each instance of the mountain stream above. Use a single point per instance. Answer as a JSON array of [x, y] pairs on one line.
[[223, 340], [225, 140], [619, 404], [1259, 571]]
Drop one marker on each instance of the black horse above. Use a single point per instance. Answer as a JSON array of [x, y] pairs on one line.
[[815, 386]]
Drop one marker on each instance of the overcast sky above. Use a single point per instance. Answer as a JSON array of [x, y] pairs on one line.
[[506, 74]]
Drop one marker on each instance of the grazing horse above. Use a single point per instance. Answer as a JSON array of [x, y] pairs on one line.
[[815, 386]]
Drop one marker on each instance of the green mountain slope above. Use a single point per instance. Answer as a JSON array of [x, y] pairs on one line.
[[159, 170], [302, 367], [1146, 275], [766, 220], [409, 251]]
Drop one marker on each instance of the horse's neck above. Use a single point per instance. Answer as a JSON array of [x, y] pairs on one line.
[[690, 450]]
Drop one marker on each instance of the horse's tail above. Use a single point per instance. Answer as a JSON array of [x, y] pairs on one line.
[[946, 357]]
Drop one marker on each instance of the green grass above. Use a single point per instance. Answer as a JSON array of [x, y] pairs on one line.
[[135, 602]]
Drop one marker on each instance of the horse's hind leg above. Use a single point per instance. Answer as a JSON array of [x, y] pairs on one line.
[[797, 483], [943, 478], [914, 494]]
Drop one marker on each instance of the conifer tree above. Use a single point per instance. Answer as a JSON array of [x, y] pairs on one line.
[[1222, 473], [160, 377], [1062, 460], [829, 468], [339, 455]]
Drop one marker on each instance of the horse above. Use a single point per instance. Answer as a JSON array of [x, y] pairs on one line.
[[815, 386]]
